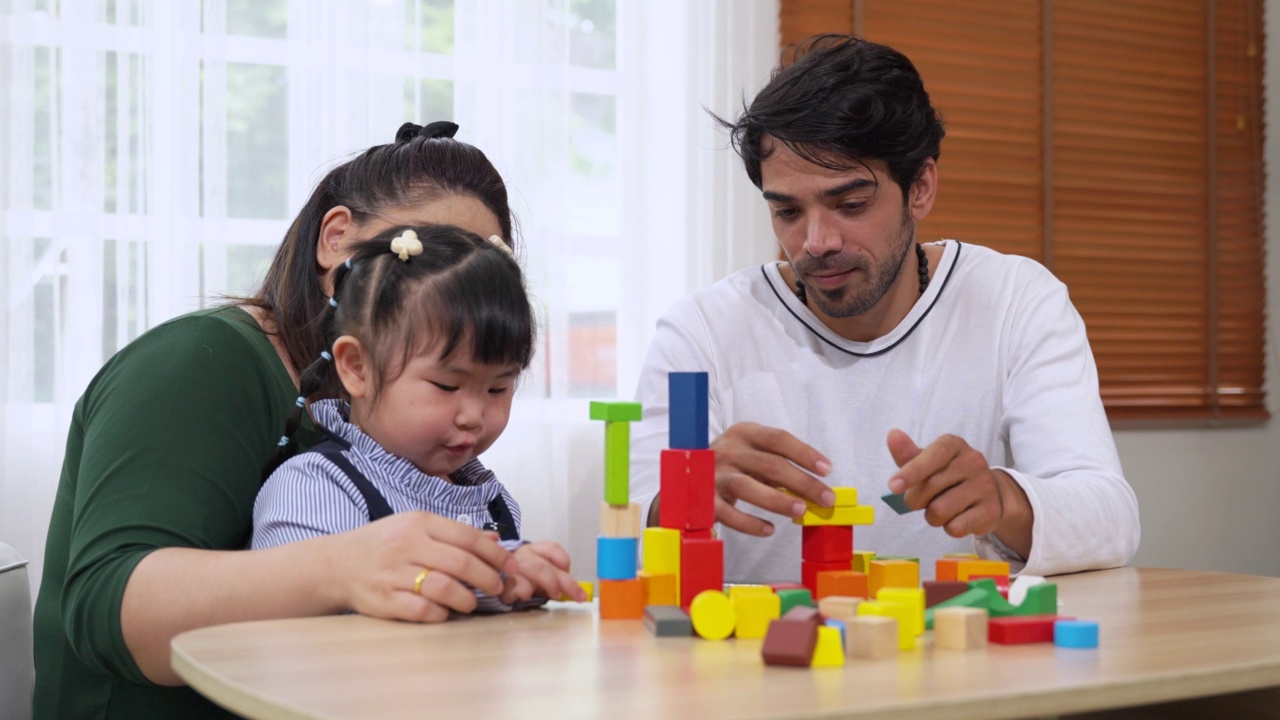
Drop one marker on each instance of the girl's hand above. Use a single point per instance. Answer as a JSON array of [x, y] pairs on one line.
[[544, 571], [375, 567]]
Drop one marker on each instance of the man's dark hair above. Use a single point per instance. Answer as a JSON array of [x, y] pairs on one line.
[[841, 102]]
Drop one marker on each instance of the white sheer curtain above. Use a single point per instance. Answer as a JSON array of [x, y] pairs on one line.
[[153, 151]]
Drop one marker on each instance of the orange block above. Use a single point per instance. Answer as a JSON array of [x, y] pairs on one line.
[[621, 599], [945, 570], [892, 573], [660, 589], [845, 583], [967, 569]]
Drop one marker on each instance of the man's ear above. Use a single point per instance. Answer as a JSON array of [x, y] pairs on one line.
[[924, 190], [353, 365], [329, 244]]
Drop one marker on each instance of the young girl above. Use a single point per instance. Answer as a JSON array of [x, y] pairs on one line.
[[430, 329]]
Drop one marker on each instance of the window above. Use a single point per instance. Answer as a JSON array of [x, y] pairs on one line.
[[1120, 144]]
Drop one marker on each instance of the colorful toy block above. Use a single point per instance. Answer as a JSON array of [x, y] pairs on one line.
[[701, 567], [1022, 629], [872, 637], [737, 591], [794, 597], [839, 607], [780, 586], [687, 410], [960, 628], [667, 621], [892, 573], [621, 600], [755, 611], [815, 516], [935, 591], [616, 558], [829, 650], [862, 561], [587, 587], [1020, 585], [903, 613], [705, 534], [809, 572], [1075, 634], [617, 462], [1001, 581], [789, 642], [845, 583], [897, 502], [841, 626], [615, 411], [687, 484], [1040, 599], [845, 496], [713, 615], [973, 597], [660, 589], [827, 543], [912, 598], [944, 570], [986, 568], [620, 520], [661, 551], [908, 558]]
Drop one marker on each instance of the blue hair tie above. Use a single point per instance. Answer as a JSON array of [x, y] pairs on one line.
[[333, 303], [284, 440], [300, 401], [325, 354]]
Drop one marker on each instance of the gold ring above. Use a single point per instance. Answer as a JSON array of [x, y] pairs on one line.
[[417, 582]]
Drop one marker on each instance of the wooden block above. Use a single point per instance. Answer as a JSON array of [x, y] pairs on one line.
[[741, 590], [836, 607], [706, 534], [1075, 634], [621, 600], [841, 582], [986, 568], [687, 484], [973, 597], [809, 572], [911, 597], [897, 502], [801, 613], [944, 570], [587, 587], [713, 615], [616, 558], [841, 626], [1021, 629], [615, 411], [862, 561], [845, 496], [829, 650], [827, 543], [1040, 599], [755, 612], [701, 471], [872, 637], [960, 628], [620, 520], [892, 573], [936, 591], [667, 621], [899, 611], [701, 567], [687, 410], [617, 462], [858, 515], [780, 586], [789, 642], [660, 589], [661, 551], [1001, 581], [794, 597]]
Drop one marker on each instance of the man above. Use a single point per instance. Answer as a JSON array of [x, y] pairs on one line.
[[947, 371]]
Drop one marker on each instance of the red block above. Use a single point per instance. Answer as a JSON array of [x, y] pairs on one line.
[[809, 572], [1022, 629], [827, 543], [789, 642], [698, 534], [688, 489], [701, 567], [1002, 583]]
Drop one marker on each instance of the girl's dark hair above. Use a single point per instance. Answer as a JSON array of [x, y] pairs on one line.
[[422, 164], [461, 293], [842, 102]]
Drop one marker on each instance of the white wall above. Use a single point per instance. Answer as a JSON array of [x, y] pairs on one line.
[[1210, 498]]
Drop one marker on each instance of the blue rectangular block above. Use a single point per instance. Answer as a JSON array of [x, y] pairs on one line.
[[616, 558], [687, 400]]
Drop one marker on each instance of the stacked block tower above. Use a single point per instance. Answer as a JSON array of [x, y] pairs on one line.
[[621, 591]]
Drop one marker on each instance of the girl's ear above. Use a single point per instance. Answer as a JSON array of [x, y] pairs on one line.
[[353, 365]]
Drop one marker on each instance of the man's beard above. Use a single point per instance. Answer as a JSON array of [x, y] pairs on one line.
[[850, 301]]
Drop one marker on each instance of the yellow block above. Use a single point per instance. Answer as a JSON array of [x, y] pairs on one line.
[[661, 589], [969, 568], [842, 516], [898, 611], [846, 497], [912, 597], [737, 591], [892, 573], [829, 652], [862, 561], [586, 586], [661, 551], [713, 615], [755, 611]]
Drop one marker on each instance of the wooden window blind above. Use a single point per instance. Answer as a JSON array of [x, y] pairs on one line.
[[1119, 142]]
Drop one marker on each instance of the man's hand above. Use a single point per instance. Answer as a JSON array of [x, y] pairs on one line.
[[753, 463], [959, 491]]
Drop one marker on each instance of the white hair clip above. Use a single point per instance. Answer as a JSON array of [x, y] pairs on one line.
[[497, 242], [406, 244]]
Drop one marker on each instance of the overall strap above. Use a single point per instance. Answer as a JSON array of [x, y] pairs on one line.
[[503, 522], [331, 447]]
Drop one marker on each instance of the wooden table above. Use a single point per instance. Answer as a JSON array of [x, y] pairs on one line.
[[1165, 635]]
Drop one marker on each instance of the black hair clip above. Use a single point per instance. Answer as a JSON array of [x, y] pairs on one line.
[[437, 129]]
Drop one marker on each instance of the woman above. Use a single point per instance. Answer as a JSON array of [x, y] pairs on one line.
[[167, 447]]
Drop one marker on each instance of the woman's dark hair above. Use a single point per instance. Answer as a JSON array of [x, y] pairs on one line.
[[462, 293], [423, 163], [841, 102]]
